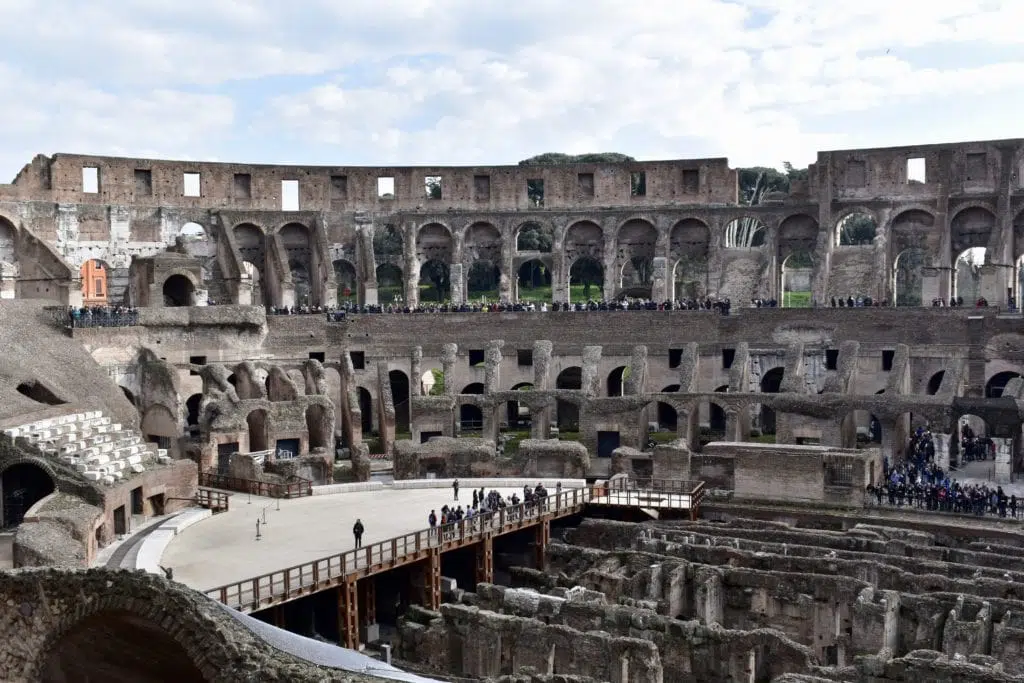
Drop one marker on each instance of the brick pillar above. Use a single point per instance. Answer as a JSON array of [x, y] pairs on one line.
[[368, 599], [432, 580], [540, 544], [485, 560], [348, 613]]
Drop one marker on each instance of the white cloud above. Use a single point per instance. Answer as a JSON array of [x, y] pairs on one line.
[[470, 81]]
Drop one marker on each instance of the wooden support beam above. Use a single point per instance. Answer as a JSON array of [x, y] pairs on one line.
[[348, 613], [485, 560], [369, 600], [432, 580], [540, 545]]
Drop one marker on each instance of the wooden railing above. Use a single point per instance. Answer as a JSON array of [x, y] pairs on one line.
[[270, 489], [680, 494], [214, 500], [286, 584]]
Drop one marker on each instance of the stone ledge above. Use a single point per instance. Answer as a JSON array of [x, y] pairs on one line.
[[489, 483], [152, 548], [331, 489]]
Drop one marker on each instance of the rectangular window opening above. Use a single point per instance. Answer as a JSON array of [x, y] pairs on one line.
[[339, 187], [385, 187], [691, 180], [524, 357], [887, 359], [289, 195], [143, 182], [831, 359], [585, 182], [196, 360], [318, 355], [675, 357], [242, 186], [90, 180], [482, 187], [638, 184], [191, 184], [976, 166], [916, 170], [99, 287], [432, 186], [535, 192], [728, 356], [856, 173], [358, 359], [476, 357]]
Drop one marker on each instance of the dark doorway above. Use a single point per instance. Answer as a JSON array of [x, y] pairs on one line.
[[156, 504], [287, 449], [771, 382], [138, 505], [471, 419], [177, 291], [567, 414], [259, 439], [400, 397], [366, 409], [120, 521], [224, 453], [24, 485], [606, 443], [427, 436]]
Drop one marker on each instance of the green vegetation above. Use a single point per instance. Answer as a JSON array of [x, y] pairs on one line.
[[556, 158], [796, 299]]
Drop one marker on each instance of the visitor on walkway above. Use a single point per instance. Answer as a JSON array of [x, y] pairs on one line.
[[455, 488], [357, 531]]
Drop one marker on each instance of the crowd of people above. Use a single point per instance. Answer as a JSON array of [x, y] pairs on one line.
[[980, 302], [485, 502], [102, 316], [918, 482]]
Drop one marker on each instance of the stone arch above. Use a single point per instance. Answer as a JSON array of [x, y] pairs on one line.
[[857, 227], [483, 280], [584, 238], [860, 427], [796, 274], [318, 425], [971, 226], [689, 250], [616, 381], [258, 424], [471, 418], [23, 483], [159, 425], [745, 232], [347, 279], [636, 243], [251, 243], [436, 280], [586, 274], [912, 228], [474, 388], [95, 275], [567, 413], [519, 416], [400, 396], [771, 383], [193, 231], [534, 236], [482, 242], [533, 281], [997, 383], [298, 246], [8, 242], [192, 408], [94, 646], [667, 414], [388, 244], [717, 417], [434, 241], [390, 283], [797, 234], [366, 409], [178, 290], [935, 383]]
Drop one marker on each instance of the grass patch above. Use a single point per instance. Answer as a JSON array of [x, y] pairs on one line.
[[796, 300]]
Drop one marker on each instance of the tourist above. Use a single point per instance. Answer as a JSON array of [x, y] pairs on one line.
[[432, 519], [357, 531], [455, 488]]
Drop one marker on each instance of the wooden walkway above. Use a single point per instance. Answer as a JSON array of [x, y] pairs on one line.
[[347, 568]]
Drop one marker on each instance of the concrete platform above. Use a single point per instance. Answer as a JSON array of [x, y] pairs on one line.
[[223, 549]]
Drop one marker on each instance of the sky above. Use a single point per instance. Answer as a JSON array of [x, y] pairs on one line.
[[456, 82]]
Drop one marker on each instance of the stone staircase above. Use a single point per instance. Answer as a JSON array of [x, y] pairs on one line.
[[101, 450]]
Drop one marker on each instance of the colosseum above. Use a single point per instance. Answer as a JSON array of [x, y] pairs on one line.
[[706, 427]]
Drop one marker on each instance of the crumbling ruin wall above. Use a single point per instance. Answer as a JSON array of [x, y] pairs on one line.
[[554, 458]]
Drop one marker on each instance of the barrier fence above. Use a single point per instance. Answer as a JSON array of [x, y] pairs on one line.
[[214, 500], [286, 584]]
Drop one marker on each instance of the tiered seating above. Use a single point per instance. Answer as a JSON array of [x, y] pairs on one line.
[[101, 450]]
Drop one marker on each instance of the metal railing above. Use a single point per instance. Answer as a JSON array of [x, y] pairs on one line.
[[658, 493], [214, 500], [269, 489], [286, 584]]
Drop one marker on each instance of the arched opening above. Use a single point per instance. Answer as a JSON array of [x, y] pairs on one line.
[[300, 281], [366, 410], [973, 440], [615, 381], [390, 284], [797, 271], [771, 383], [635, 243], [996, 384], [482, 281], [24, 484], [935, 382], [8, 249], [348, 284], [432, 382], [476, 388], [689, 247], [745, 233], [435, 281], [388, 242], [128, 395], [99, 648], [259, 432], [535, 237], [318, 427], [967, 275], [567, 414], [533, 282], [586, 280], [908, 281], [251, 273], [861, 429], [519, 414], [298, 248], [192, 231], [668, 417], [252, 248], [471, 419], [178, 291], [192, 410], [39, 393], [434, 243], [399, 382], [856, 229], [94, 283]]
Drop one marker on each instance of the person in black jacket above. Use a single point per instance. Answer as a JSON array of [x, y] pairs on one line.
[[357, 531]]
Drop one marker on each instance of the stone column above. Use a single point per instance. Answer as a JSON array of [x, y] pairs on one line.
[[9, 281], [492, 366], [660, 280], [1004, 460], [416, 371], [449, 354], [942, 450]]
